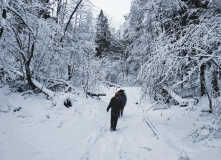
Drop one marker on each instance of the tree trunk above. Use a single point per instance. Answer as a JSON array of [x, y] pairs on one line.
[[202, 79], [3, 19], [210, 100], [127, 71], [75, 9], [1, 32], [69, 72], [28, 76], [183, 71], [27, 67], [216, 90]]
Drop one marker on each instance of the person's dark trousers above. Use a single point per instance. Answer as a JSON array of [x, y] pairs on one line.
[[121, 112], [113, 122]]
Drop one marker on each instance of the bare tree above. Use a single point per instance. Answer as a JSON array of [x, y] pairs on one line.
[[2, 21]]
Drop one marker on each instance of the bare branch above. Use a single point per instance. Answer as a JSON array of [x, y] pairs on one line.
[[21, 52], [15, 12], [78, 4], [32, 53], [17, 38], [15, 55]]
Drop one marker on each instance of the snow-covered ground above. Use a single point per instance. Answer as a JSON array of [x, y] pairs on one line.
[[33, 128]]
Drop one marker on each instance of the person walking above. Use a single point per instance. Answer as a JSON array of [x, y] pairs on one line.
[[116, 106], [123, 98]]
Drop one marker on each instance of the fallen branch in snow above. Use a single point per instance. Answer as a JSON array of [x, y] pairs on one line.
[[96, 94], [17, 73], [56, 85], [148, 122], [146, 148], [46, 91], [201, 134], [182, 101], [184, 157], [206, 111], [160, 104], [111, 84], [43, 89], [27, 92], [66, 83]]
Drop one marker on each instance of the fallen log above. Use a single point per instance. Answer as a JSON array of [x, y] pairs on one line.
[[95, 94], [27, 92], [40, 86], [111, 84], [45, 90], [183, 102]]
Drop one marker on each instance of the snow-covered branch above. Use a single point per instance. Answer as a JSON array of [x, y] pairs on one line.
[[37, 84], [20, 16], [43, 89], [182, 101], [75, 9]]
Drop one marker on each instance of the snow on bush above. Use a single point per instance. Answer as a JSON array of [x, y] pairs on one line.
[[64, 100]]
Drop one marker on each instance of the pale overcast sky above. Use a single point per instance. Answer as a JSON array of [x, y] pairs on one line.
[[114, 8]]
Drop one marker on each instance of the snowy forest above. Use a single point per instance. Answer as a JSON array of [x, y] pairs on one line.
[[63, 60]]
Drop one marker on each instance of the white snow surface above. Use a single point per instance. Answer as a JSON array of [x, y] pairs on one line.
[[33, 128]]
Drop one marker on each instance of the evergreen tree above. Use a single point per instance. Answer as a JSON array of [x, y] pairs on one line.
[[103, 34]]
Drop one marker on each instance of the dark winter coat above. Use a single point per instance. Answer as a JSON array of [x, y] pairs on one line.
[[116, 106], [123, 98]]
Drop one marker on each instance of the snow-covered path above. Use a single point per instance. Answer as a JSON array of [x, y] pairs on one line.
[[130, 139], [42, 131]]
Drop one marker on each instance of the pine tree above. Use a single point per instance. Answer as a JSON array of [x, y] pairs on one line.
[[103, 34]]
